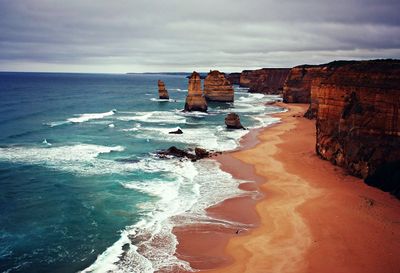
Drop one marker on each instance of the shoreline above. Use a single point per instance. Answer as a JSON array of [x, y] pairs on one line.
[[302, 223]]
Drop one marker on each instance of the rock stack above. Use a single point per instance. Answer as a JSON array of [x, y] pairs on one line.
[[217, 87], [195, 100], [162, 92], [232, 121]]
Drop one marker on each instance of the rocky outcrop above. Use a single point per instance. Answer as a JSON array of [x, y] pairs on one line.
[[234, 78], [162, 92], [266, 80], [176, 132], [297, 88], [217, 87], [195, 100], [358, 122], [199, 153], [232, 121]]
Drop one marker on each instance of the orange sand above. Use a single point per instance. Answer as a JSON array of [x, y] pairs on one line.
[[313, 217]]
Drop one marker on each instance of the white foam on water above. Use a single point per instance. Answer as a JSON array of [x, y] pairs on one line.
[[90, 116], [212, 138], [46, 142], [154, 117], [78, 158], [111, 125], [178, 90], [162, 100], [183, 193], [181, 198]]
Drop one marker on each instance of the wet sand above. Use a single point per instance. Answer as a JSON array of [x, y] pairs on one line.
[[310, 216]]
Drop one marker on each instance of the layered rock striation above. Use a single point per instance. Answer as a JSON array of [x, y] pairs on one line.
[[297, 88], [232, 121], [195, 100], [266, 80], [162, 92], [217, 87], [357, 119]]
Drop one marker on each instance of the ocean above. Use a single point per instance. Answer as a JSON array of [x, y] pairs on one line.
[[81, 187]]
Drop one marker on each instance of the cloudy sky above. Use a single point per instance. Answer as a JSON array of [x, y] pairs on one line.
[[185, 35]]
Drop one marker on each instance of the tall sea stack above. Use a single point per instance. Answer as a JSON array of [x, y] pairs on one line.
[[195, 100], [162, 92], [217, 87]]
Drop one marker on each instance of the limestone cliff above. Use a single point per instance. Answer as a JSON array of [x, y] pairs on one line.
[[358, 122], [195, 100], [234, 78], [297, 88], [266, 80], [162, 92], [217, 87]]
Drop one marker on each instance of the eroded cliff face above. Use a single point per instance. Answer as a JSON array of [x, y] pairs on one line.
[[195, 100], [234, 78], [358, 122], [266, 80], [297, 88], [217, 87], [162, 92]]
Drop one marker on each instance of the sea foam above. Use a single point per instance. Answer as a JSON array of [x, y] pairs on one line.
[[76, 158]]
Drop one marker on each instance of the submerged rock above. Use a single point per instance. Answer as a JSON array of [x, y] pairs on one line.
[[232, 121], [162, 92], [195, 101]]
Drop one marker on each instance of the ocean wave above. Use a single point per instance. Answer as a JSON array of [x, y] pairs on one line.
[[82, 118], [212, 138], [79, 158], [155, 117], [182, 198], [90, 116], [178, 90]]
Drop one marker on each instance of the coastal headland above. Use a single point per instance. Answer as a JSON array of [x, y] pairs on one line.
[[312, 216]]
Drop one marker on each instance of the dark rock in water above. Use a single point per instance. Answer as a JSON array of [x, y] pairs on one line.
[[173, 151], [201, 153], [176, 152], [177, 132], [232, 121]]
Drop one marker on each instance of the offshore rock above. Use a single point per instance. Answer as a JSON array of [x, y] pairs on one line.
[[217, 87], [173, 151], [195, 100], [266, 80], [176, 132], [162, 92], [232, 121], [358, 122]]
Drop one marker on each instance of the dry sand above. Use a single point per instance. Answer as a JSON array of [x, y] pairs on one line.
[[313, 217]]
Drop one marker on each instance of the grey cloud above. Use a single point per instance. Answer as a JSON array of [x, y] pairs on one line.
[[149, 35]]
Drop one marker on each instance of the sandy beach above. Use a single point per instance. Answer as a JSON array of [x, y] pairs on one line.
[[311, 216]]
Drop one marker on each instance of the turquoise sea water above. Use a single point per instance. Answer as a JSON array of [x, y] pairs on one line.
[[79, 180]]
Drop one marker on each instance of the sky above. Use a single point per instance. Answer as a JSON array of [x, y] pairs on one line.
[[183, 35]]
